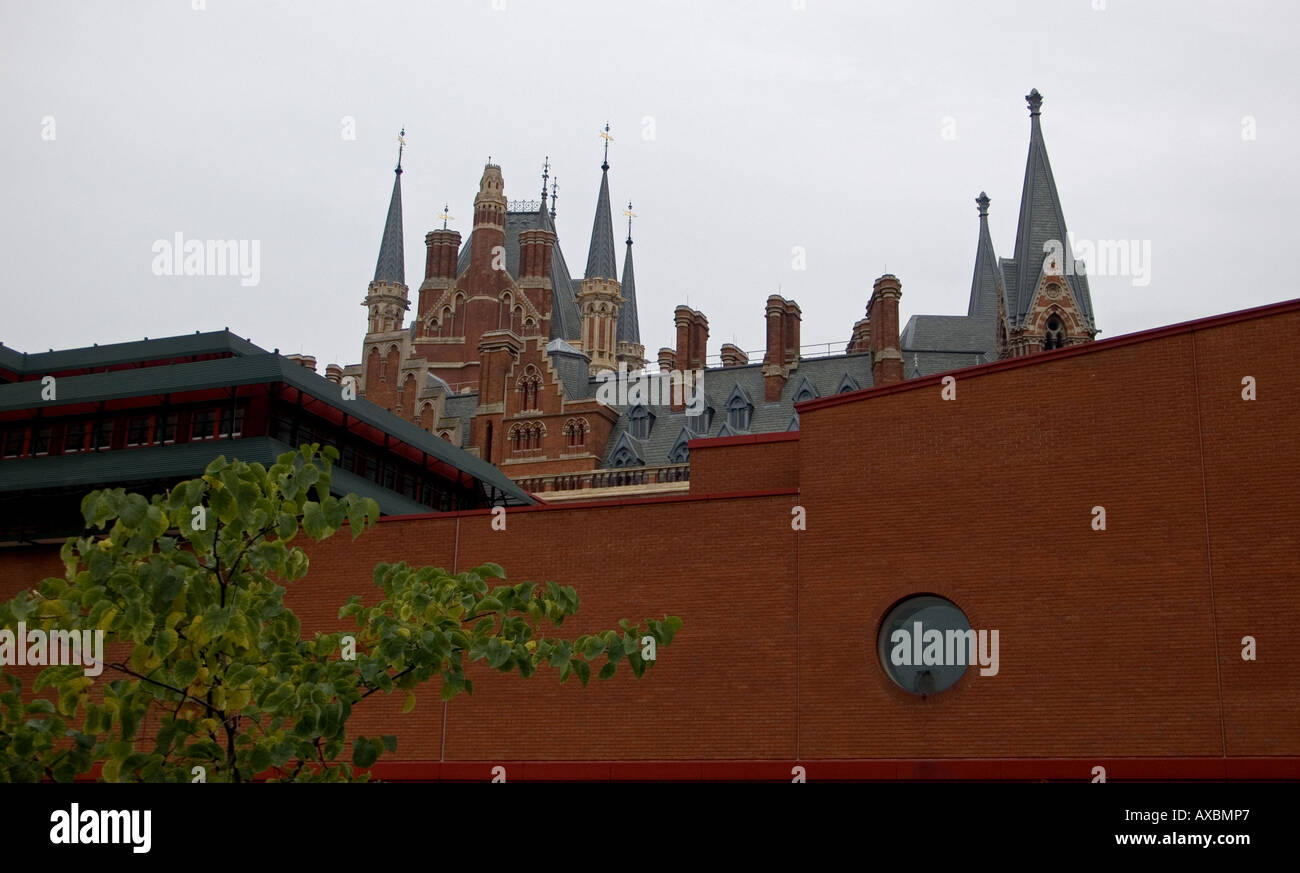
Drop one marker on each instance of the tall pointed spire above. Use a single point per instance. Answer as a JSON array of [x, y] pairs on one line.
[[986, 283], [391, 266], [600, 256], [629, 330], [1041, 222], [546, 171]]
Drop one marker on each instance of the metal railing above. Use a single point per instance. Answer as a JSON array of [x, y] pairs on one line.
[[613, 478]]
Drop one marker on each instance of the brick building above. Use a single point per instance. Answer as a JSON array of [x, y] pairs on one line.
[[503, 351], [1121, 646]]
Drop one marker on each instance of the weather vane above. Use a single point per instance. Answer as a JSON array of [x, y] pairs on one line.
[[630, 215], [445, 216], [401, 144], [604, 134], [546, 169]]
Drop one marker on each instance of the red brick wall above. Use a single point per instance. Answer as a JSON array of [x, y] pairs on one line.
[[759, 462], [1113, 644]]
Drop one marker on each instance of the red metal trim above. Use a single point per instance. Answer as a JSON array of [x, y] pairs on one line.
[[1127, 339], [743, 440], [884, 770]]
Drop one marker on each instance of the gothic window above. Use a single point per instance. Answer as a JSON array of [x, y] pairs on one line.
[[640, 420], [623, 457], [575, 433], [680, 452], [739, 410], [529, 388], [805, 391], [700, 423], [458, 316], [444, 323], [848, 383], [1055, 337]]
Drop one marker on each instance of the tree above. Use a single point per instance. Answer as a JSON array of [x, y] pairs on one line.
[[193, 581]]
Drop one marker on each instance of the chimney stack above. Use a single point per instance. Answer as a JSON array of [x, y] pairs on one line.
[[334, 373], [692, 343], [882, 312], [782, 355], [860, 339], [667, 360], [733, 356]]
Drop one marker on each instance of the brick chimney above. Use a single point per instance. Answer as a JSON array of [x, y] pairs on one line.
[[334, 373], [308, 361], [667, 360], [882, 312], [860, 339], [782, 355], [733, 356], [692, 343]]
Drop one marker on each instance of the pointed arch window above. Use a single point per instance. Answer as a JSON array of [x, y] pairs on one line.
[[640, 419], [680, 453], [805, 391], [529, 388], [848, 383], [740, 409], [1055, 336]]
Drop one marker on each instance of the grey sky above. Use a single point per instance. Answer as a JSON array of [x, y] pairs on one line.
[[773, 127]]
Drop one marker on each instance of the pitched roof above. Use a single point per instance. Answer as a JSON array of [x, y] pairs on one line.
[[629, 328], [600, 254], [1041, 220], [251, 369], [720, 383], [391, 266]]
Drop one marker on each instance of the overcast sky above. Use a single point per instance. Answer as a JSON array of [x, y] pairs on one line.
[[859, 131]]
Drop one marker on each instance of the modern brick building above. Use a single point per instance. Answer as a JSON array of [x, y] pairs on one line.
[[1121, 645]]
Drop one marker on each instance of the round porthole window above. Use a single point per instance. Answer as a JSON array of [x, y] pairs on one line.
[[925, 644]]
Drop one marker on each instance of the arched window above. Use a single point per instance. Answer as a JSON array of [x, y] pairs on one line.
[[1055, 337], [529, 388], [680, 453], [805, 391], [739, 410], [514, 438], [458, 316], [640, 420]]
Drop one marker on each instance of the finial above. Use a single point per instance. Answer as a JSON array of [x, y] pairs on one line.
[[445, 216], [1035, 100], [546, 169], [630, 215], [554, 184], [605, 136], [401, 144], [983, 202]]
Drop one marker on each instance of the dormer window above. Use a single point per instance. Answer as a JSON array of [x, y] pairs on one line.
[[701, 423], [640, 420], [740, 409]]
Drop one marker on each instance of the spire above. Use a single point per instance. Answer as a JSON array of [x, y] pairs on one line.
[[546, 169], [600, 255], [986, 283], [1041, 221], [391, 266], [554, 184], [628, 329]]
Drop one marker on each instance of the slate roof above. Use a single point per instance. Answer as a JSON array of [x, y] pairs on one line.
[[628, 328], [600, 255], [137, 351], [566, 323], [825, 374], [573, 368], [1041, 219], [391, 266]]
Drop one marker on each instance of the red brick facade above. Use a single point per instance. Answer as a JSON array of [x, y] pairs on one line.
[[1120, 647]]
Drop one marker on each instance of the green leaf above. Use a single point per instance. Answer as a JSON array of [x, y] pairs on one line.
[[409, 703]]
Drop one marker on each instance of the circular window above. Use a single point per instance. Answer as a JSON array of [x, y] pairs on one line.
[[925, 644]]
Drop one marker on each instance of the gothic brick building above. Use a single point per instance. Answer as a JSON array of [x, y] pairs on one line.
[[502, 352]]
